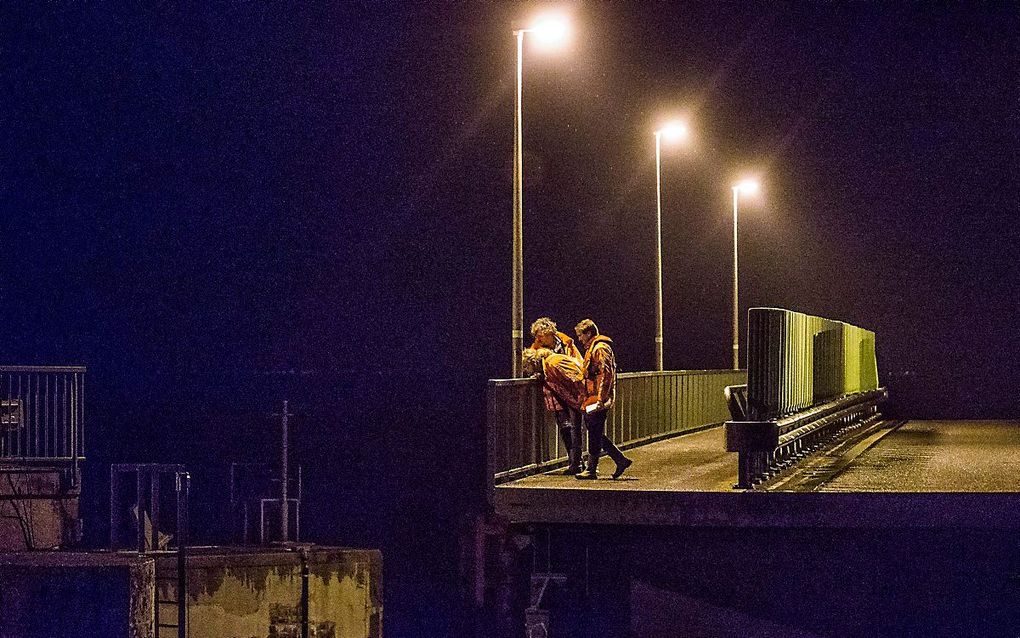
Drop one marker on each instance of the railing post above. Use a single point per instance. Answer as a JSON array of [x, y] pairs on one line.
[[140, 508], [114, 521], [75, 398], [743, 471], [183, 484]]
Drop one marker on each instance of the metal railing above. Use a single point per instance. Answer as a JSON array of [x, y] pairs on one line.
[[42, 413], [523, 439], [810, 380], [796, 360], [765, 448]]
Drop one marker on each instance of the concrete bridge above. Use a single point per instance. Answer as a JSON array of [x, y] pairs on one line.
[[894, 473], [773, 501]]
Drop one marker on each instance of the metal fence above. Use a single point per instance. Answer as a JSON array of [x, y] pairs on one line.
[[809, 380], [42, 413], [796, 360], [523, 439]]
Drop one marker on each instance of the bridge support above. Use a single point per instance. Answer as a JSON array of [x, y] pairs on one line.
[[550, 581], [767, 447]]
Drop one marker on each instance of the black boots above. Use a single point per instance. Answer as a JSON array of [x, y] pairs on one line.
[[592, 473], [621, 466], [573, 444]]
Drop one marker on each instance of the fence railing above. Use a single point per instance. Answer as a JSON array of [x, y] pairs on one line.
[[522, 436], [796, 360], [810, 380], [42, 413]]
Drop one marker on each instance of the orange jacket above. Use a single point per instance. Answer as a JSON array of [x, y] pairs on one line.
[[563, 378], [599, 372], [567, 348]]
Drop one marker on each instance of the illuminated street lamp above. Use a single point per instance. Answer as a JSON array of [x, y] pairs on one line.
[[748, 187], [547, 30], [673, 132]]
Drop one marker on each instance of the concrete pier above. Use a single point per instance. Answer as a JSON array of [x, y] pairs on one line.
[[47, 594]]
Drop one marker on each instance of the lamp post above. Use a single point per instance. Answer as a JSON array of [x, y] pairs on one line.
[[672, 131], [750, 187], [549, 29]]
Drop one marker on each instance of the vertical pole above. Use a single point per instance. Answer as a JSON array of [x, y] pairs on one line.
[[115, 506], [658, 254], [284, 505], [736, 306], [183, 487], [517, 310], [154, 507], [74, 428], [304, 593], [140, 506]]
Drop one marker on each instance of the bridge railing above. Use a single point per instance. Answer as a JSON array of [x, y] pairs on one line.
[[42, 413], [795, 361], [523, 439], [810, 380]]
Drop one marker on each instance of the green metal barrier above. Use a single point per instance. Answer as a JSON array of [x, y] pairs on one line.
[[809, 379], [797, 360]]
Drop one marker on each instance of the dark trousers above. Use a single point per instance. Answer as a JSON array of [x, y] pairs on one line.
[[595, 423], [569, 424]]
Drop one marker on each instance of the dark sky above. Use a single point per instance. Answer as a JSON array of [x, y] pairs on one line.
[[196, 197]]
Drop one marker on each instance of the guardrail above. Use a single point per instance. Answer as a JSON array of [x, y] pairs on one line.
[[522, 437], [809, 379], [765, 448], [42, 413], [796, 360]]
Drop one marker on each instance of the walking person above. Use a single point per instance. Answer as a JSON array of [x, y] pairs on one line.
[[599, 372], [568, 417]]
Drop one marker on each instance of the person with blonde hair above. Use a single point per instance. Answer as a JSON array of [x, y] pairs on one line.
[[548, 341]]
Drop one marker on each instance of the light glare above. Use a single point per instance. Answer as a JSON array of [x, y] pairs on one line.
[[674, 131], [551, 30], [747, 186]]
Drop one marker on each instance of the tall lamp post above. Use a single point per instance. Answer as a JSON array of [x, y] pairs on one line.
[[672, 131], [549, 30], [748, 187]]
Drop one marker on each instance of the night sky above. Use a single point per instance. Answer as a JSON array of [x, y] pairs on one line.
[[218, 206]]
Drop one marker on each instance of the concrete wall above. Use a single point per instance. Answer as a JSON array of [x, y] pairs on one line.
[[38, 509], [249, 592], [48, 594]]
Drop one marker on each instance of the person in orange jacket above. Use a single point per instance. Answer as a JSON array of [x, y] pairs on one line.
[[599, 372], [561, 375], [568, 418]]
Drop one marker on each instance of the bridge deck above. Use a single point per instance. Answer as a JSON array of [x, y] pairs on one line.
[[924, 474], [937, 456]]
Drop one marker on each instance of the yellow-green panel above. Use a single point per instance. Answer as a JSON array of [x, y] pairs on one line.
[[797, 360]]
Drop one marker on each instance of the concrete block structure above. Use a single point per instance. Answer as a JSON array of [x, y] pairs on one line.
[[260, 591], [47, 594]]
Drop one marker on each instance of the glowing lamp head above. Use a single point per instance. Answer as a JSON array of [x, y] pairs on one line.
[[550, 30], [747, 187], [674, 131]]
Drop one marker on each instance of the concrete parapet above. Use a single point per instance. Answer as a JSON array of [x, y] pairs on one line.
[[47, 594], [239, 591], [38, 507]]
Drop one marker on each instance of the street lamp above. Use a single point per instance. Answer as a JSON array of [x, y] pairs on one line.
[[673, 132], [548, 30], [748, 187]]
